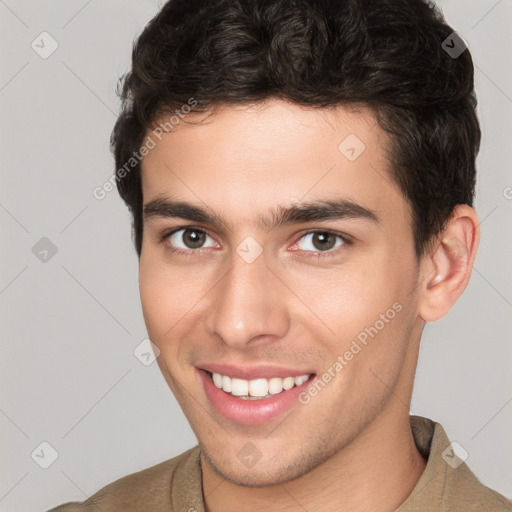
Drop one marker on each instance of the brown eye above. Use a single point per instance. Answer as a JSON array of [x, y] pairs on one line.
[[321, 241], [189, 238]]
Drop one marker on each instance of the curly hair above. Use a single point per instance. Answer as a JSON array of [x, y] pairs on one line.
[[386, 54]]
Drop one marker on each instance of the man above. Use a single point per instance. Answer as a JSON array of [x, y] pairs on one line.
[[301, 177]]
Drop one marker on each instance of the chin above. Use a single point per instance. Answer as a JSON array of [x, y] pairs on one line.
[[274, 472]]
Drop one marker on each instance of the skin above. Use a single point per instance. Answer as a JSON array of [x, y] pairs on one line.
[[350, 447]]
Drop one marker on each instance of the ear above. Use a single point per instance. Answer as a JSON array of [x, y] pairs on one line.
[[446, 267]]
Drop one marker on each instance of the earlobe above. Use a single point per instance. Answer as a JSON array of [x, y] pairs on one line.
[[447, 268]]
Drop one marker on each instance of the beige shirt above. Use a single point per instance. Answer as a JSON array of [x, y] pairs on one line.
[[175, 484]]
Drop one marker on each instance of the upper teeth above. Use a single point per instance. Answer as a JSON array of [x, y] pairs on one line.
[[256, 387]]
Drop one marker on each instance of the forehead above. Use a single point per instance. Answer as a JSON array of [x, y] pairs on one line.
[[251, 158]]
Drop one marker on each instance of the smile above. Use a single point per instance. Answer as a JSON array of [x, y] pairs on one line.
[[255, 400], [256, 389]]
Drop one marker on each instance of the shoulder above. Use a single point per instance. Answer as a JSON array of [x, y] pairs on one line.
[[448, 484], [143, 490], [465, 492]]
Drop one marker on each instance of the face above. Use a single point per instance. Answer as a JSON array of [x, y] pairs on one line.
[[276, 249]]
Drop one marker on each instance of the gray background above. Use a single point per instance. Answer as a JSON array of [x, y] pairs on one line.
[[70, 324]]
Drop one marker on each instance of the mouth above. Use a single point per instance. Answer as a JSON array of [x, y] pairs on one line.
[[253, 401]]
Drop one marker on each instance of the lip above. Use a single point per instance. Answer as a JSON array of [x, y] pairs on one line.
[[246, 372], [251, 412]]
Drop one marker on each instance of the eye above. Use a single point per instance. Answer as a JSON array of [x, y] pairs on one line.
[[186, 239], [323, 241]]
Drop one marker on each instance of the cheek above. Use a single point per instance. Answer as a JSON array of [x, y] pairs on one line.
[[367, 307], [346, 298], [153, 298], [173, 297], [165, 298]]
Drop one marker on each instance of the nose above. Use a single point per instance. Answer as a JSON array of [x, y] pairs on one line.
[[248, 305]]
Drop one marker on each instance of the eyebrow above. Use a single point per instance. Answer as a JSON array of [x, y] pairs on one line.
[[313, 211]]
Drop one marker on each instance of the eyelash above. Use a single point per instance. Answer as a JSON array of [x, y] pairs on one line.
[[347, 241]]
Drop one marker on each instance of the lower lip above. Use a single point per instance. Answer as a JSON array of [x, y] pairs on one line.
[[250, 412]]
